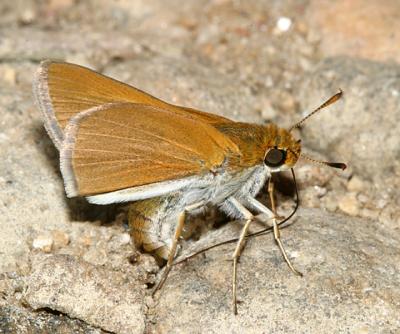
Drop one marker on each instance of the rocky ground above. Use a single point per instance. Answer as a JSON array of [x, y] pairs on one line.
[[70, 267]]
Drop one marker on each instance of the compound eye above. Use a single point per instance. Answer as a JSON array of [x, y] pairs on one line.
[[275, 157]]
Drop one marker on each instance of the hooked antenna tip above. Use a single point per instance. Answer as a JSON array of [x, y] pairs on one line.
[[328, 102], [339, 165]]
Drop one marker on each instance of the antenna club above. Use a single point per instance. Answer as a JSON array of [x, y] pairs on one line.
[[328, 102], [339, 165]]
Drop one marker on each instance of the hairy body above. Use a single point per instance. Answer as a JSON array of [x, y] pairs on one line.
[[153, 221]]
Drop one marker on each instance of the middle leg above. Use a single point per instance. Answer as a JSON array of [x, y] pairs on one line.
[[248, 216], [272, 214]]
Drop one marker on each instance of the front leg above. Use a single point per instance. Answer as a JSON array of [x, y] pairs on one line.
[[258, 207], [277, 234], [272, 214]]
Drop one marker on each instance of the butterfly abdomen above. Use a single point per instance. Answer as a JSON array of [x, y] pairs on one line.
[[152, 223]]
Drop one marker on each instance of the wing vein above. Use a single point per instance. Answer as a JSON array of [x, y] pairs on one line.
[[150, 134], [105, 162], [127, 171], [148, 148]]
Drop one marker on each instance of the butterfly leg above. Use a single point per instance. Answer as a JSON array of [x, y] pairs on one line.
[[174, 245], [239, 247], [277, 235]]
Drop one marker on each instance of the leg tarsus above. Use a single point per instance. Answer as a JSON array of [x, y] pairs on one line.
[[282, 249], [236, 256], [277, 234], [234, 282]]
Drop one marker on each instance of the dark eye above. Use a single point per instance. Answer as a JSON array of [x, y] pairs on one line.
[[275, 157]]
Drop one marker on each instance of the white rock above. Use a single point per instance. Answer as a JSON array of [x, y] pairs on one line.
[[284, 23], [43, 243]]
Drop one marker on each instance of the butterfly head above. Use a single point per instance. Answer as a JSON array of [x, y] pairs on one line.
[[285, 150], [283, 153]]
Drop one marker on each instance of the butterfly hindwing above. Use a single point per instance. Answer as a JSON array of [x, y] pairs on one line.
[[124, 145]]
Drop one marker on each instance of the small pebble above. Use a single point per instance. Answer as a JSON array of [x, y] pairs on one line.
[[381, 203], [390, 215], [287, 102], [268, 112], [302, 27], [349, 204], [124, 238], [329, 202], [28, 16], [320, 191], [61, 239], [355, 184], [283, 24], [12, 275], [43, 243], [8, 75], [117, 241], [362, 198], [96, 256], [86, 240], [371, 214]]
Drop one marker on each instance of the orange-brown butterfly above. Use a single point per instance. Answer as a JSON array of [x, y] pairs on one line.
[[120, 144]]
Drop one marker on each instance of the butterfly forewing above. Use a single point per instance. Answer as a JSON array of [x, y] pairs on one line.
[[63, 90], [123, 145]]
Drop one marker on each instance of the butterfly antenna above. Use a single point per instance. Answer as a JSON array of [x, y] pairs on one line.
[[328, 102], [339, 165]]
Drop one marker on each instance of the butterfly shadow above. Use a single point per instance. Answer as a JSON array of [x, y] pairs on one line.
[[79, 209]]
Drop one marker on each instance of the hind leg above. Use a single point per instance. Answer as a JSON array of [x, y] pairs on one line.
[[177, 234]]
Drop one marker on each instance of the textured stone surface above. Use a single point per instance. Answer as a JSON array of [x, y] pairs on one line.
[[359, 28], [362, 129], [103, 298], [351, 269], [22, 321]]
